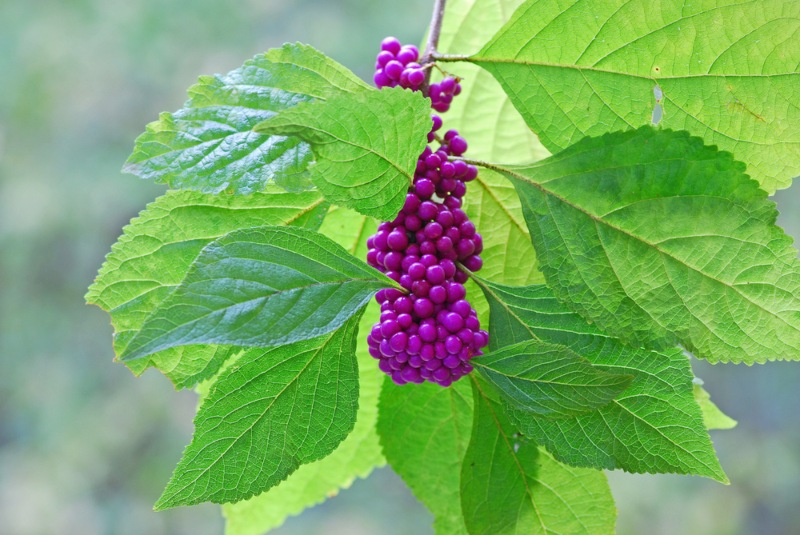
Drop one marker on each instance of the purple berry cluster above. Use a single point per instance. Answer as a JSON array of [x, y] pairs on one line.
[[430, 331], [397, 65]]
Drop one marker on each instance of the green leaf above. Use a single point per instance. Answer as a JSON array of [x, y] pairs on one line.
[[209, 144], [724, 70], [654, 426], [424, 431], [549, 380], [260, 287], [366, 146], [270, 412], [663, 241], [312, 483], [510, 486], [155, 251], [359, 453], [713, 417]]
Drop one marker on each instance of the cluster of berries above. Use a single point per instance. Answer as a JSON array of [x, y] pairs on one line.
[[430, 332], [397, 65]]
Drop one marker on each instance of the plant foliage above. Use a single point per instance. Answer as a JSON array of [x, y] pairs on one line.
[[646, 235]]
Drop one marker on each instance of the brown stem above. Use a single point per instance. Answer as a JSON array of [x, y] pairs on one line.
[[433, 39]]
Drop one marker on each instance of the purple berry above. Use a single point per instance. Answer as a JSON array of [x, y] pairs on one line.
[[453, 322], [393, 69], [384, 57], [415, 77], [391, 44], [406, 56], [423, 308], [435, 275]]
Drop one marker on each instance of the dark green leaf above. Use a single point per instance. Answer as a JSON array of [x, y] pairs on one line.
[[271, 411], [366, 146], [209, 145], [314, 482], [359, 453], [510, 486], [154, 254], [655, 425], [424, 431], [549, 380], [723, 70], [261, 287], [661, 240]]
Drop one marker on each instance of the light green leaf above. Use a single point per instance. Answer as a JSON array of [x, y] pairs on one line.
[[549, 380], [209, 144], [654, 426], [483, 113], [260, 287], [723, 70], [314, 482], [359, 453], [713, 417], [424, 431], [155, 251], [510, 486], [271, 411], [366, 146], [663, 241]]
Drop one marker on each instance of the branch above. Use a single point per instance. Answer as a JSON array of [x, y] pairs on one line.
[[433, 40]]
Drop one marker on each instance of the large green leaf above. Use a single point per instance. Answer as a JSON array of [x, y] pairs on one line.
[[424, 432], [155, 251], [549, 380], [655, 425], [314, 482], [271, 411], [662, 240], [359, 453], [724, 70], [260, 287], [510, 486], [209, 144], [366, 146]]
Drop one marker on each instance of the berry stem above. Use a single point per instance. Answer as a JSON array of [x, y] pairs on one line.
[[433, 39], [480, 163], [448, 57]]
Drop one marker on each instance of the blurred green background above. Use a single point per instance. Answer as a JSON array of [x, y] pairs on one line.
[[86, 448]]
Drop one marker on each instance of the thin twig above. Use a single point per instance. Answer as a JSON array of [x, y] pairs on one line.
[[433, 39], [448, 57]]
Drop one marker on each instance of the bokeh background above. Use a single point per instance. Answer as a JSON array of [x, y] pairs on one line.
[[86, 448]]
